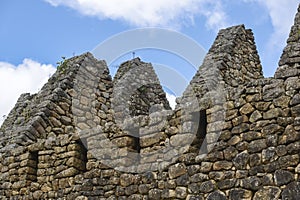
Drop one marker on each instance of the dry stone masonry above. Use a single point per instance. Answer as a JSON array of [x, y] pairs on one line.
[[233, 134]]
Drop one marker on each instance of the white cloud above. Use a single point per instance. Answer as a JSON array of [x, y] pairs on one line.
[[282, 17], [172, 100], [215, 14], [15, 80], [139, 13]]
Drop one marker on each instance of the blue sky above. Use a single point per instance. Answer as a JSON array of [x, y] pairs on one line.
[[35, 34]]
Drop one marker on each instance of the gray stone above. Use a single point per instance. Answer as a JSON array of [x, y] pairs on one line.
[[182, 139], [177, 170], [230, 153], [216, 195], [267, 193], [241, 160], [257, 145], [253, 183], [207, 186], [292, 191], [239, 193], [126, 179], [199, 177], [295, 100], [295, 111], [182, 180], [273, 113], [255, 116], [155, 194], [222, 165], [246, 109], [143, 189], [283, 177], [165, 194], [194, 197], [269, 155], [181, 192], [272, 91], [226, 184]]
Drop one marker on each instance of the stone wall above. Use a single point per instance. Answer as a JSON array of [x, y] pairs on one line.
[[233, 134]]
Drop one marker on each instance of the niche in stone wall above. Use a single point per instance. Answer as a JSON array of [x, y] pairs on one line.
[[137, 145], [83, 150], [132, 139], [32, 165], [199, 143], [79, 158], [134, 133]]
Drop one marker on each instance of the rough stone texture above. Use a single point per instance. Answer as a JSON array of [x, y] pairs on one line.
[[267, 193], [232, 135]]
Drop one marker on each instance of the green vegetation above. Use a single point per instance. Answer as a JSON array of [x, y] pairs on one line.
[[143, 89], [62, 65]]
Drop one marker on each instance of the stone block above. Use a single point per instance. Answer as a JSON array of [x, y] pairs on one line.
[[239, 193], [283, 177], [246, 109], [149, 140], [181, 192], [216, 195], [267, 193], [222, 165], [182, 139], [177, 170], [207, 186]]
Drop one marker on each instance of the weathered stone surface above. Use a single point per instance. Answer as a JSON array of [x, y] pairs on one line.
[[182, 139], [177, 170], [295, 100], [182, 180], [67, 173], [181, 192], [292, 191], [289, 135], [256, 115], [257, 145], [222, 165], [226, 184], [267, 193], [269, 155], [241, 160], [233, 134], [246, 109], [272, 91], [126, 179], [194, 197], [273, 113], [166, 193], [144, 189], [240, 128], [253, 183], [295, 111], [239, 193], [272, 129], [230, 153], [200, 177], [207, 186], [282, 101], [150, 140], [155, 194], [283, 177], [216, 195]]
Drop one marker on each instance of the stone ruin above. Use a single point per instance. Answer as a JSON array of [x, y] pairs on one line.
[[233, 134]]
